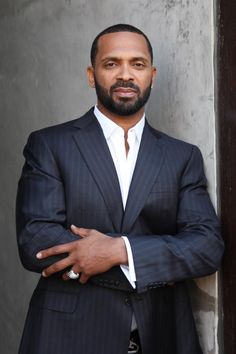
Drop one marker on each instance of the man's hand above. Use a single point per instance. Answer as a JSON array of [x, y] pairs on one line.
[[94, 253]]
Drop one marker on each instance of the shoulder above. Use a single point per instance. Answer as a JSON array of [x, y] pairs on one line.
[[170, 141], [177, 148], [65, 128]]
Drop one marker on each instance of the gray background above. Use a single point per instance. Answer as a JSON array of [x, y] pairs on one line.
[[44, 51]]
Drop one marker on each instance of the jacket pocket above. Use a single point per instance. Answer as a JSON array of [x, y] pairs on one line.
[[56, 301]]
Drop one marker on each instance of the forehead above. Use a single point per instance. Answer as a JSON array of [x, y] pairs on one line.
[[120, 44]]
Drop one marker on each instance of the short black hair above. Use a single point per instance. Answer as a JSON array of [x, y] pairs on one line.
[[118, 28]]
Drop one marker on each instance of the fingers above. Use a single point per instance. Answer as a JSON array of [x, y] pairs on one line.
[[80, 231], [65, 276], [75, 230], [57, 267], [83, 278], [82, 254], [54, 251], [72, 275]]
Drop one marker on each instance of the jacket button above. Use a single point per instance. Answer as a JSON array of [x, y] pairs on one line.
[[127, 301], [138, 298]]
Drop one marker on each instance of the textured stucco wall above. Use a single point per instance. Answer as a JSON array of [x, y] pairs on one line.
[[44, 51]]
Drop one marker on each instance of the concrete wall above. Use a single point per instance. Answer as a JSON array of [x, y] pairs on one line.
[[44, 50]]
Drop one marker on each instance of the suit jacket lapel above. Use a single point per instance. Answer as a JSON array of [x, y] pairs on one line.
[[93, 147], [149, 162]]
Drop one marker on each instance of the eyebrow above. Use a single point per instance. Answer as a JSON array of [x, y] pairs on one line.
[[120, 59]]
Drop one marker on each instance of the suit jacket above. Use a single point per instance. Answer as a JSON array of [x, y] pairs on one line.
[[69, 178]]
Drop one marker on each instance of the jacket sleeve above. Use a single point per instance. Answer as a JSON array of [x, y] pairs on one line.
[[197, 247], [40, 205]]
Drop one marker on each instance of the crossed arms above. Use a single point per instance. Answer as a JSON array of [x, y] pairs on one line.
[[93, 254], [47, 246]]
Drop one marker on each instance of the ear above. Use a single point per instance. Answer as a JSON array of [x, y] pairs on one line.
[[154, 75], [90, 76]]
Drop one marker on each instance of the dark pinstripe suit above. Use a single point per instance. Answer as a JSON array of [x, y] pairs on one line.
[[69, 177]]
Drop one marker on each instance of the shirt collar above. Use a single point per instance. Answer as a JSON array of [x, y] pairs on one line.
[[109, 127]]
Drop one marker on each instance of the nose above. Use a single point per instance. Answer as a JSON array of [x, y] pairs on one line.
[[125, 73]]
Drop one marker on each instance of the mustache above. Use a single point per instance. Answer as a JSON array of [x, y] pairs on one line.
[[125, 84]]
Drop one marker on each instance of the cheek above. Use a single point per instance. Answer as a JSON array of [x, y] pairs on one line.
[[148, 80], [105, 85], [144, 81], [105, 78]]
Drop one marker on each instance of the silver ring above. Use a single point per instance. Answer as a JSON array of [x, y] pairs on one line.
[[72, 275]]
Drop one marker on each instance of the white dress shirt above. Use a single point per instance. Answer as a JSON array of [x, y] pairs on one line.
[[124, 164]]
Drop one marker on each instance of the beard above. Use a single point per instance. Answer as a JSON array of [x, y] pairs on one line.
[[124, 106]]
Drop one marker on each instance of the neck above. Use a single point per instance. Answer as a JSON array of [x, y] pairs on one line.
[[125, 122]]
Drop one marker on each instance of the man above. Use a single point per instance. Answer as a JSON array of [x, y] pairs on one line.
[[116, 216]]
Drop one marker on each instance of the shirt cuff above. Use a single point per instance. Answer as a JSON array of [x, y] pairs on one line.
[[129, 271]]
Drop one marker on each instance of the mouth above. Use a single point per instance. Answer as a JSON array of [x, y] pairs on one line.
[[125, 92]]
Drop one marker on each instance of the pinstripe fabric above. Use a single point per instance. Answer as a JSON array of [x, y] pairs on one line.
[[69, 178]]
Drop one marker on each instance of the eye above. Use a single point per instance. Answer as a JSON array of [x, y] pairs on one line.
[[110, 65], [138, 65]]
